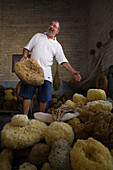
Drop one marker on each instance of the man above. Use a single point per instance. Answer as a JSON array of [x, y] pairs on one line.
[[44, 48]]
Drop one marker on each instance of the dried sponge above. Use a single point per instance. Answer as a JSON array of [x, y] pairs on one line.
[[30, 72], [69, 103], [96, 94], [27, 166], [46, 166], [74, 121], [19, 120], [6, 158], [16, 137], [79, 98], [59, 156], [59, 130], [39, 154], [100, 105], [8, 94], [91, 155]]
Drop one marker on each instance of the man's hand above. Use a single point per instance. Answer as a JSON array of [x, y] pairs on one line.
[[25, 54], [24, 58], [76, 75]]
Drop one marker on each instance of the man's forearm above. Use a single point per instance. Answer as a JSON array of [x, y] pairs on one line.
[[68, 67], [75, 74], [25, 52]]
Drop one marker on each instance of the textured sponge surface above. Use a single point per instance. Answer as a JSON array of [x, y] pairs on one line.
[[59, 130], [91, 155], [30, 72], [96, 94]]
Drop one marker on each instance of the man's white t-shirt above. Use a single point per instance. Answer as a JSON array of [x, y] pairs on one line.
[[44, 50]]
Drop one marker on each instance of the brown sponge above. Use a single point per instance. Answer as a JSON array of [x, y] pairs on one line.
[[30, 72]]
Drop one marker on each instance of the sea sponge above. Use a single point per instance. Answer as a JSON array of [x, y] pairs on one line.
[[59, 156], [85, 115], [27, 166], [54, 100], [59, 112], [70, 103], [68, 116], [58, 104], [8, 91], [96, 94], [100, 105], [91, 155], [100, 127], [16, 137], [80, 131], [6, 157], [46, 166], [19, 120], [39, 154], [49, 118], [79, 98], [111, 151], [8, 95], [73, 122], [43, 117], [30, 72], [59, 130]]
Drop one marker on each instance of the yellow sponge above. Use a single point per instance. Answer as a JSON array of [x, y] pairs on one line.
[[79, 98], [73, 122], [8, 94], [59, 130], [46, 166], [91, 155], [96, 94], [69, 103], [100, 105]]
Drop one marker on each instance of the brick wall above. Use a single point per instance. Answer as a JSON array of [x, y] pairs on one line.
[[20, 20], [84, 23]]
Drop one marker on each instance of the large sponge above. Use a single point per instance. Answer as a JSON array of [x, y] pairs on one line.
[[59, 156], [19, 120], [59, 130], [16, 137], [27, 166], [79, 98], [91, 155], [30, 72], [100, 105], [39, 154], [96, 94]]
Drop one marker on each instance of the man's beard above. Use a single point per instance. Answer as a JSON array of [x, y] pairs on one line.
[[50, 34]]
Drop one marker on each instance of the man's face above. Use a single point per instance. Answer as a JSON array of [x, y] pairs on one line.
[[53, 29]]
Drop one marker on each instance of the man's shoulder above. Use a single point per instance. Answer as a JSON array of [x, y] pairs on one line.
[[39, 34], [58, 43]]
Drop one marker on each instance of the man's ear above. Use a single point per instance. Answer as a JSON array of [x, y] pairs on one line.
[[57, 31]]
